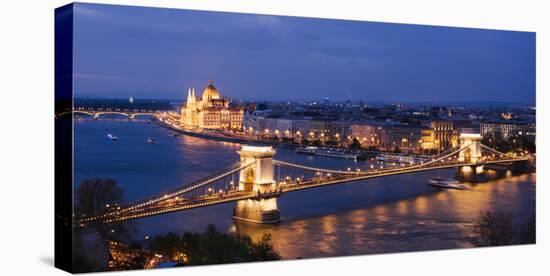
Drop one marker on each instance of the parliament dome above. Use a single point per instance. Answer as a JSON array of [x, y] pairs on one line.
[[210, 92]]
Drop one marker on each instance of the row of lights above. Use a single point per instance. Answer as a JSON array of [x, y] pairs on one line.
[[152, 201]]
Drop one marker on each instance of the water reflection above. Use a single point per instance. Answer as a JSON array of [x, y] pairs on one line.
[[439, 220], [390, 214]]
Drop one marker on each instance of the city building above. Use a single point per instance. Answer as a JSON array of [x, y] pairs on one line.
[[254, 122], [388, 135], [278, 127], [318, 130], [507, 129], [210, 111], [367, 133], [301, 127], [401, 137], [339, 129], [440, 136]]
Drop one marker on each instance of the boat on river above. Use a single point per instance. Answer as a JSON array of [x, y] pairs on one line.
[[447, 183], [112, 137], [307, 150], [331, 152], [397, 158]]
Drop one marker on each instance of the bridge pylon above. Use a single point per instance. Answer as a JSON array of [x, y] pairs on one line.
[[257, 178], [471, 142], [471, 153]]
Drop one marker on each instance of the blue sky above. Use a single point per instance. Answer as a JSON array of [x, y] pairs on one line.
[[125, 51]]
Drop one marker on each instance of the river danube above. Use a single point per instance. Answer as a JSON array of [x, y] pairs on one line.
[[390, 214]]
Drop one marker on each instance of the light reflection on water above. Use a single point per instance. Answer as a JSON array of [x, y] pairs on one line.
[[391, 214], [434, 221]]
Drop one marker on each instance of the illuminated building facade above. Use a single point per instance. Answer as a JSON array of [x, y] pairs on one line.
[[440, 136], [210, 111], [507, 129], [387, 136]]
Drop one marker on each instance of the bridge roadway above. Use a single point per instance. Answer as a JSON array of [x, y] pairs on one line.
[[96, 112], [175, 204]]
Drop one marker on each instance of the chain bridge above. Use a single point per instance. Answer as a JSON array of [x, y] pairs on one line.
[[257, 180]]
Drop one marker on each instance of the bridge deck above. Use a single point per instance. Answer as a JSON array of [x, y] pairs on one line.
[[179, 204]]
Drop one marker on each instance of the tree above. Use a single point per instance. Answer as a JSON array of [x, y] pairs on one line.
[[287, 140], [494, 228], [331, 143], [355, 144], [214, 247], [513, 142], [95, 196], [263, 249], [372, 148], [167, 245], [317, 142]]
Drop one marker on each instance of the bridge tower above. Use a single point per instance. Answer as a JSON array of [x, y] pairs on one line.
[[471, 153], [257, 178]]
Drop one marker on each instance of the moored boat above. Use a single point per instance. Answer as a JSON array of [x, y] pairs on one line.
[[306, 150], [330, 152]]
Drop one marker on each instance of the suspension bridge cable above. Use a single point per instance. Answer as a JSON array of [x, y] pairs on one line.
[[436, 159], [492, 150], [176, 192]]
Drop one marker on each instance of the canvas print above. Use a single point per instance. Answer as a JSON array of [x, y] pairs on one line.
[[188, 138]]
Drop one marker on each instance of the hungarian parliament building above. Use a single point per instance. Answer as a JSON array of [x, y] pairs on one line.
[[210, 111]]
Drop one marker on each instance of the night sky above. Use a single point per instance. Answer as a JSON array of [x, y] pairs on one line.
[[159, 53]]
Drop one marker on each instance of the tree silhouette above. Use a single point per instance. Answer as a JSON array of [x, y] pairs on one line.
[[214, 247], [494, 228], [97, 196], [94, 195], [355, 144]]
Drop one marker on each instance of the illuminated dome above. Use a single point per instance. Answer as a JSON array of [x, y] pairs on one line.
[[210, 92]]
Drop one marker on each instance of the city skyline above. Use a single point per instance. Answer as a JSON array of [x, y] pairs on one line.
[[160, 53]]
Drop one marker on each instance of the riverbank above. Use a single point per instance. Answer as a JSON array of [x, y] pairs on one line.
[[225, 138], [243, 140]]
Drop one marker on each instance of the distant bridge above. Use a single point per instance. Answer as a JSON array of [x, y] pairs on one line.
[[130, 113], [97, 112], [260, 182]]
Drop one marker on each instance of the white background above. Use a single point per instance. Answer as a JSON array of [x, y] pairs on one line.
[[27, 139]]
